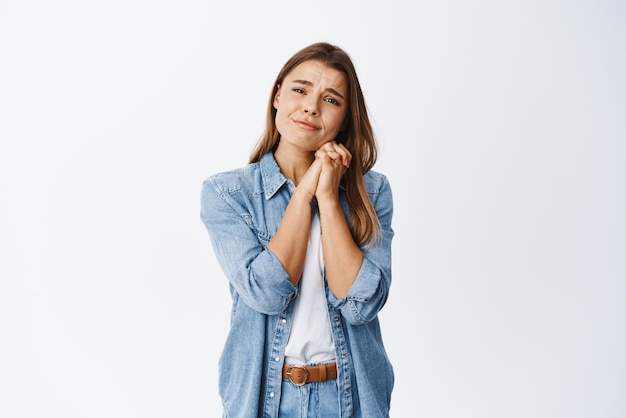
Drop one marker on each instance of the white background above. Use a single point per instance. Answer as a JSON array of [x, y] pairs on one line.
[[502, 129]]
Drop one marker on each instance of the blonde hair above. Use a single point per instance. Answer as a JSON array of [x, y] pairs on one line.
[[358, 137]]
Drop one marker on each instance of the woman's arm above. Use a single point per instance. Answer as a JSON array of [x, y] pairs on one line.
[[290, 242], [370, 289], [255, 273], [342, 257]]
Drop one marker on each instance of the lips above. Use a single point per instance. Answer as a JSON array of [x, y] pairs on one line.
[[305, 125]]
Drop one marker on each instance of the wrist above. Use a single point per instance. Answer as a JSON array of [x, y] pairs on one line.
[[329, 200], [303, 195]]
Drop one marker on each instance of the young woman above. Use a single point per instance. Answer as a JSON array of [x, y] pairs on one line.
[[303, 233]]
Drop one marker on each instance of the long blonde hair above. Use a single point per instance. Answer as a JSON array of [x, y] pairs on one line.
[[358, 136]]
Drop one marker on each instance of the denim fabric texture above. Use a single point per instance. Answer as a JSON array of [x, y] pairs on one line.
[[313, 400], [242, 210]]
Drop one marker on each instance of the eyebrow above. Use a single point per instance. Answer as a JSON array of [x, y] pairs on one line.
[[329, 89]]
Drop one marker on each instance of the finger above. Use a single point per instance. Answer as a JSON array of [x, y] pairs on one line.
[[346, 156], [320, 154], [330, 152], [329, 146], [335, 156], [330, 160], [335, 153], [324, 156]]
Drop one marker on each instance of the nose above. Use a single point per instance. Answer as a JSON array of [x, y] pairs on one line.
[[310, 108]]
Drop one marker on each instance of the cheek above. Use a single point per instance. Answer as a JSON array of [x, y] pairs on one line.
[[280, 112], [280, 119], [284, 110], [339, 121], [277, 119]]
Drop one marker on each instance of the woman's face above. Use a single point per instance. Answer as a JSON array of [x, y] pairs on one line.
[[311, 105]]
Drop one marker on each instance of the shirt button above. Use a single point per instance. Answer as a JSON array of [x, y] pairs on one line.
[[271, 394], [283, 320], [276, 358]]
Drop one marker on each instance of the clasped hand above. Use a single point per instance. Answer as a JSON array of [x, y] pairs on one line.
[[323, 177]]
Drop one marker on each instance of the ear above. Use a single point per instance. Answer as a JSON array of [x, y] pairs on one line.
[[277, 97]]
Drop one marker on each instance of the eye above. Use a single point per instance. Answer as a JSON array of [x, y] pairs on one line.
[[298, 90], [332, 101]]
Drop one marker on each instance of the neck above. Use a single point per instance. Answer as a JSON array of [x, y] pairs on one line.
[[293, 163]]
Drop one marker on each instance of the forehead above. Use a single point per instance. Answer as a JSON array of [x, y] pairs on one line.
[[318, 74]]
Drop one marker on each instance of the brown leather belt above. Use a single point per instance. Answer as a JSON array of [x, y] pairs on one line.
[[299, 375]]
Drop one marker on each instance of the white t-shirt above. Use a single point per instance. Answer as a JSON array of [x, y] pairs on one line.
[[311, 339]]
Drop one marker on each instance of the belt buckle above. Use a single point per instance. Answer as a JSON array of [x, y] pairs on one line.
[[306, 375]]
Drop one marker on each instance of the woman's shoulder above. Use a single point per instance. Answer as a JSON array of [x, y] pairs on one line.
[[234, 179], [375, 181]]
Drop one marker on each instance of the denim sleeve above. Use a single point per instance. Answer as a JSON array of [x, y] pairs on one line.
[[253, 271], [370, 290]]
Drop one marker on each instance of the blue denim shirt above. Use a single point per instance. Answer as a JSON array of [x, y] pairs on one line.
[[242, 210]]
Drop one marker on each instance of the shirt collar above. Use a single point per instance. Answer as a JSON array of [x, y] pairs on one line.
[[273, 179]]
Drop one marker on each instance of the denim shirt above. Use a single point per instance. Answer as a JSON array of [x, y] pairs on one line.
[[242, 210]]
